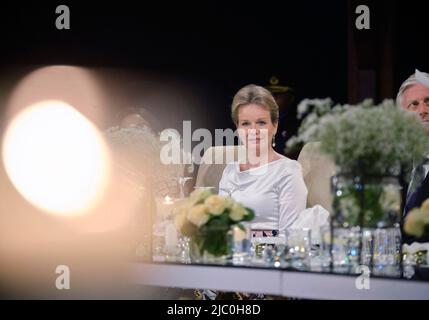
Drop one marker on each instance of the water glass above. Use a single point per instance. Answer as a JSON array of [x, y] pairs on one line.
[[181, 182], [183, 254], [346, 249], [265, 250], [298, 243], [386, 256], [240, 243], [325, 246], [158, 241]]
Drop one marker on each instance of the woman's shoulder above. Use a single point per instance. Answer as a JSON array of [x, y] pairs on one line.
[[281, 166], [230, 167], [288, 164], [288, 175]]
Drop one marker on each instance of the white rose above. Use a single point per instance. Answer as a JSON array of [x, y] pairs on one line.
[[198, 195], [198, 215], [216, 204], [180, 220], [414, 224], [229, 202], [424, 214], [182, 207], [237, 212], [425, 205]]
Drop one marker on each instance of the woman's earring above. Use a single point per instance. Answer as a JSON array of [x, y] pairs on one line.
[[274, 142]]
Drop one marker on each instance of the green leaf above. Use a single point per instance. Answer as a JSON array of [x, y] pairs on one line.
[[250, 215]]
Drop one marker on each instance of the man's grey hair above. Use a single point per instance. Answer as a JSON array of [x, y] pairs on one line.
[[411, 81]]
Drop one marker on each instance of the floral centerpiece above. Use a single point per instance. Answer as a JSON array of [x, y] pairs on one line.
[[314, 113], [310, 112], [137, 151], [207, 220], [372, 146], [373, 139], [368, 143]]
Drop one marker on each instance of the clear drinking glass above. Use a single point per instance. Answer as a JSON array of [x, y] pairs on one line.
[[346, 249], [183, 254], [182, 183], [298, 243], [263, 249], [240, 244], [386, 256], [158, 241], [325, 246]]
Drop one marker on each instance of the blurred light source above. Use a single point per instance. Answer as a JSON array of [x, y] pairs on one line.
[[76, 86], [56, 158]]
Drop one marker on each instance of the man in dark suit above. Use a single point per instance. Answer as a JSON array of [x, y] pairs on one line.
[[413, 96]]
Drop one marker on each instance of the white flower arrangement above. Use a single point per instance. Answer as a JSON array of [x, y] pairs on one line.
[[379, 139], [141, 137], [207, 218], [137, 155], [373, 139], [314, 113], [136, 147], [310, 111], [308, 107], [370, 142]]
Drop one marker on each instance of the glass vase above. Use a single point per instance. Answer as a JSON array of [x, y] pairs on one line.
[[365, 223], [211, 248]]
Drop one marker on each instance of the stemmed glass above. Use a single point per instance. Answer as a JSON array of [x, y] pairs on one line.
[[181, 181]]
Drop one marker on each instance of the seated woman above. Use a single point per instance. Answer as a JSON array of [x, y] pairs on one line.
[[269, 183]]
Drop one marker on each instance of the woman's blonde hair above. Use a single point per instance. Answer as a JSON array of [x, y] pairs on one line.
[[253, 94]]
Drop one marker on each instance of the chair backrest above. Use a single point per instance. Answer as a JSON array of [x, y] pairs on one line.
[[317, 170], [213, 163]]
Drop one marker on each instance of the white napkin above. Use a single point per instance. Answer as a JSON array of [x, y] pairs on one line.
[[415, 247], [312, 218]]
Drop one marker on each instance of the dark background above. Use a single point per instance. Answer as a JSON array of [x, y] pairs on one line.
[[205, 51]]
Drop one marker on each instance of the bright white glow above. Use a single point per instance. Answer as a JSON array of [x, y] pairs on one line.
[[56, 158]]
